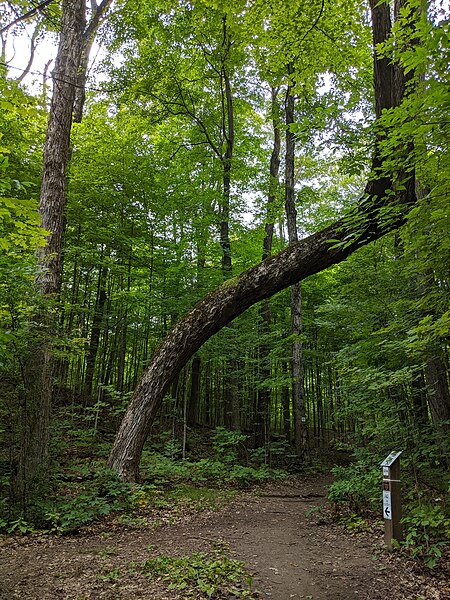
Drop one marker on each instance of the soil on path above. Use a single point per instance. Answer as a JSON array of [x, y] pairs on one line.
[[288, 545]]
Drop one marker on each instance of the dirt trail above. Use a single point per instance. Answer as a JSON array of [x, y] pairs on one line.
[[280, 533]]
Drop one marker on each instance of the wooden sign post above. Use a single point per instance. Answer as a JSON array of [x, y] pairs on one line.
[[392, 507]]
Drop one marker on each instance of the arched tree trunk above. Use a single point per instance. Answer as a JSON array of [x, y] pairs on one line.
[[309, 256]]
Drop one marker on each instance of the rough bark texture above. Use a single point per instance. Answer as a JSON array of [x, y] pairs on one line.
[[293, 264], [57, 144], [37, 395]]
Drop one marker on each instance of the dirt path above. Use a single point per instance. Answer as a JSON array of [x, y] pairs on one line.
[[280, 534]]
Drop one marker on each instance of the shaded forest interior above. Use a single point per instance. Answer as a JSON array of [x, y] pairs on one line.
[[208, 139]]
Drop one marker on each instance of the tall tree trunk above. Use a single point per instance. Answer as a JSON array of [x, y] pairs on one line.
[[97, 319], [298, 391], [232, 412], [36, 404], [309, 256], [265, 312], [227, 157], [98, 13]]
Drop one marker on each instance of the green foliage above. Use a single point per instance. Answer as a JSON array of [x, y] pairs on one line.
[[224, 469], [19, 127], [354, 522], [98, 499], [210, 575], [357, 485], [142, 245], [427, 528], [84, 492], [226, 444]]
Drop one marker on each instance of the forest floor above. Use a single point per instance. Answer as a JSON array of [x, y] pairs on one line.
[[282, 532]]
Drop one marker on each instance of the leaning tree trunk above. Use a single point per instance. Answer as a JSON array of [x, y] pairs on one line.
[[38, 366], [309, 256]]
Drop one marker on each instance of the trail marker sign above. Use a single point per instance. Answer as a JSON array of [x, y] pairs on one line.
[[387, 505], [392, 509]]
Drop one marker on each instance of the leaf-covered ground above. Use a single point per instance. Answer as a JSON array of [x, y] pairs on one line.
[[282, 532]]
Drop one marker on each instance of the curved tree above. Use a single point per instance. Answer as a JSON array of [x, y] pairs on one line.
[[382, 208]]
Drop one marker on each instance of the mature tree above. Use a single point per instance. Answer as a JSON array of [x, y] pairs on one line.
[[38, 365], [368, 221], [74, 42]]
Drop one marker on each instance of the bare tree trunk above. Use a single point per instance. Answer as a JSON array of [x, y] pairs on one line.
[[97, 319], [263, 395], [232, 410], [309, 256], [298, 390], [38, 366]]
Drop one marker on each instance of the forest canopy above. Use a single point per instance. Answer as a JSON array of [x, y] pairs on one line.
[[175, 213]]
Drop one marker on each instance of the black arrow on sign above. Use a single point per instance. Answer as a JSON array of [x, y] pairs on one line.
[[387, 511]]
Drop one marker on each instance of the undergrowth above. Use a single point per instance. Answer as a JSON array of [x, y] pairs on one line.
[[208, 575], [82, 491], [356, 501]]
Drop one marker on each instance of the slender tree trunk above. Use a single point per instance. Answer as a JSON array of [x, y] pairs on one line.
[[286, 405], [98, 13], [298, 391], [194, 396], [263, 396], [232, 408], [95, 330], [309, 256], [227, 158]]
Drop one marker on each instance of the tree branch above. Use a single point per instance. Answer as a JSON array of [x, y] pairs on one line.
[[26, 15]]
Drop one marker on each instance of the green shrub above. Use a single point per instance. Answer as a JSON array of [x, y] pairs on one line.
[[358, 486], [104, 494], [427, 532], [213, 576]]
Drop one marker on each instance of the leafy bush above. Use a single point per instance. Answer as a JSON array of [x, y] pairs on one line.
[[226, 444], [427, 532], [102, 496], [358, 486]]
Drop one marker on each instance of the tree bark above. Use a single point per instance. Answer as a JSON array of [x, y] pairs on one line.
[[232, 403], [38, 366], [298, 390], [306, 257], [98, 13], [97, 319], [265, 312]]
